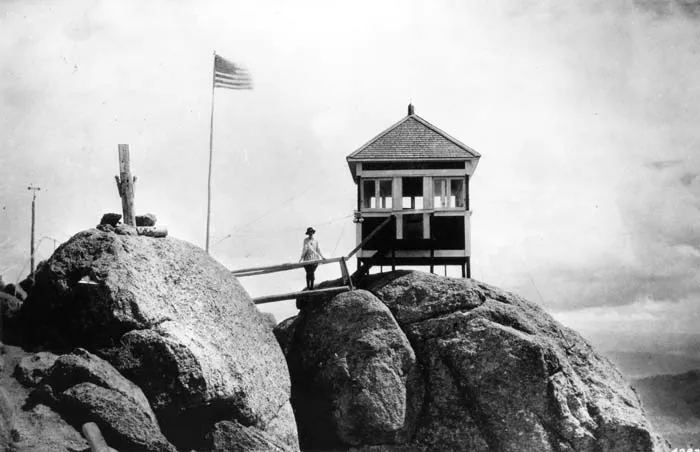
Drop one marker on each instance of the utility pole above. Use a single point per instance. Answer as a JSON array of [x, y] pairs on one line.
[[33, 189]]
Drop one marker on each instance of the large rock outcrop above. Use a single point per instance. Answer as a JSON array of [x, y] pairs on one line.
[[83, 388], [173, 321], [497, 372], [26, 426], [357, 377]]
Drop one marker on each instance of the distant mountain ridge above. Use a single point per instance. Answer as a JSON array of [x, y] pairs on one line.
[[638, 365], [672, 403]]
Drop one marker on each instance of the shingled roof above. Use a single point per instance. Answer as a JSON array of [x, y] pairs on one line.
[[413, 138]]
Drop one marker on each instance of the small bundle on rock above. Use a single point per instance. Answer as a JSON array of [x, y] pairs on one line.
[[146, 220], [145, 225], [111, 219]]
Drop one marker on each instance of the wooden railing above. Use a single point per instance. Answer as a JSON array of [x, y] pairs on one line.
[[282, 267], [347, 280]]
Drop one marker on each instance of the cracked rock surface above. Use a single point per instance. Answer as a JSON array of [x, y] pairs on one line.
[[173, 321], [494, 373]]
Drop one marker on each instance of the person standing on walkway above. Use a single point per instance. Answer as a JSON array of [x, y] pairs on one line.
[[310, 251]]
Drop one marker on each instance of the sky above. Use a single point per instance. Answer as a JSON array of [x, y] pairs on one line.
[[586, 199]]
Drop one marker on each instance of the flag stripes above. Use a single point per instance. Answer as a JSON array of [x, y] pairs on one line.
[[231, 76]]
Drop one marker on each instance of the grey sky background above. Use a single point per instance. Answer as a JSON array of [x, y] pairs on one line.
[[586, 199]]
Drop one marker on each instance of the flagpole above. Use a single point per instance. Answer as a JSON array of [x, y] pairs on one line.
[[211, 141]]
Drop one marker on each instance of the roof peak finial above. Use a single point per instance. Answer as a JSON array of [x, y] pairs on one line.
[[411, 109]]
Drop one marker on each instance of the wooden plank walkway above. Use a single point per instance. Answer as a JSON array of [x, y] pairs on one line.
[[302, 294]]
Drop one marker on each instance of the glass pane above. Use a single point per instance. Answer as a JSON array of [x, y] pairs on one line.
[[385, 193], [456, 193], [369, 199], [412, 192], [439, 193]]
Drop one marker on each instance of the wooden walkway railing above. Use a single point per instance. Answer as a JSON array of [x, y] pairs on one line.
[[347, 280]]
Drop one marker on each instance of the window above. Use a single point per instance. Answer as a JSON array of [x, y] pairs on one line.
[[377, 194], [385, 193], [412, 196], [448, 193]]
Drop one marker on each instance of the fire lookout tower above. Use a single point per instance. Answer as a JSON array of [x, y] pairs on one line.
[[413, 197]]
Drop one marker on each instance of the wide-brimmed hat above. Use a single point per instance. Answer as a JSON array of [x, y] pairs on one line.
[[310, 230]]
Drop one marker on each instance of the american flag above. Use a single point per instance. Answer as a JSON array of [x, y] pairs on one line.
[[230, 75]]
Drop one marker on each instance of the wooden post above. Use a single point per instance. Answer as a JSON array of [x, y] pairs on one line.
[[347, 279], [466, 192], [125, 185]]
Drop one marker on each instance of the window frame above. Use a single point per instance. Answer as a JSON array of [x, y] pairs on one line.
[[448, 188], [377, 187], [413, 199]]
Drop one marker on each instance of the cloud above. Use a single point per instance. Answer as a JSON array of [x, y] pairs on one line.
[[665, 8], [663, 164], [585, 114]]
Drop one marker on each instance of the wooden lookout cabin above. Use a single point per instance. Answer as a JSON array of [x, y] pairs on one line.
[[413, 197]]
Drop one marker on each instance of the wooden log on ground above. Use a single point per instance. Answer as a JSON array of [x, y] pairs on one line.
[[152, 231], [305, 293], [94, 437]]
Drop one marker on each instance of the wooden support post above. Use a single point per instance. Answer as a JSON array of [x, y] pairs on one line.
[[347, 280], [125, 185], [469, 267], [466, 192]]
